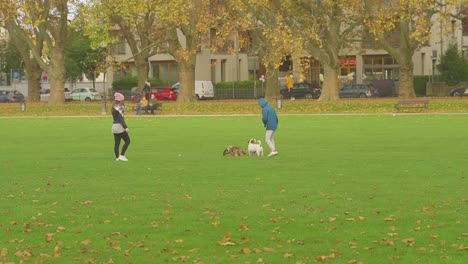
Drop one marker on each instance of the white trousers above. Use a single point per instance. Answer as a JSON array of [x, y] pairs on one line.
[[270, 140]]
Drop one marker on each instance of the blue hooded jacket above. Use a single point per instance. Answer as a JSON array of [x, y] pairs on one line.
[[269, 117]]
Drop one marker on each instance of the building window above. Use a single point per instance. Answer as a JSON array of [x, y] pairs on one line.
[[454, 24], [311, 69], [348, 68], [423, 61], [119, 47], [465, 26], [165, 71], [223, 70], [213, 70], [381, 67], [239, 69]]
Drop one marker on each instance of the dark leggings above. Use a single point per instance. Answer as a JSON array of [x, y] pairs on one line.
[[117, 138]]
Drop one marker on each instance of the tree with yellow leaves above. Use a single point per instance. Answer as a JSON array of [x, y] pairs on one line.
[[412, 21], [108, 21], [42, 26]]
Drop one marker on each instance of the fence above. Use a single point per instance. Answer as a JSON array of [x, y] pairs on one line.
[[239, 93]]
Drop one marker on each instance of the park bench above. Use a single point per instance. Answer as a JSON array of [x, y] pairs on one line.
[[411, 104]]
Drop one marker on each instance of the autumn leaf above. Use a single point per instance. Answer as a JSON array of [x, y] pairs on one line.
[[49, 237], [227, 240], [86, 242], [267, 249], [166, 212], [246, 251], [353, 261]]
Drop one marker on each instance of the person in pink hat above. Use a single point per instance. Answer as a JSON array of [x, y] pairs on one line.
[[119, 127]]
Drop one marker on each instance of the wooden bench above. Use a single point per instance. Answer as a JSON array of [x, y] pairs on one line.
[[412, 104]]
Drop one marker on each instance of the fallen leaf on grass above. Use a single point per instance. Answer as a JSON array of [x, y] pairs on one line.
[[166, 212], [246, 251], [227, 240], [49, 237], [409, 241], [267, 249], [86, 242], [353, 261]]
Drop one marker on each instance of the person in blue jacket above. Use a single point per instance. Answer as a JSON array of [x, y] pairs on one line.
[[270, 121]]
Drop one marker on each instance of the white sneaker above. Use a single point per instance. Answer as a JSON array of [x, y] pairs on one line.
[[122, 158], [273, 153]]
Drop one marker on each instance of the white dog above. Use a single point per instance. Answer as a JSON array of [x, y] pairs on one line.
[[255, 147]]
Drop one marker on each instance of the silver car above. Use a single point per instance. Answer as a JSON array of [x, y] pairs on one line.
[[11, 96], [85, 94], [45, 94]]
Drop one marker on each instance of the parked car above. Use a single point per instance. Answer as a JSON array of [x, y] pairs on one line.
[[358, 91], [11, 96], [45, 93], [203, 89], [85, 94], [462, 91], [165, 93], [302, 90]]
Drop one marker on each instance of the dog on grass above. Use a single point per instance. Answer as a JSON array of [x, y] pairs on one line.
[[234, 151], [255, 147]]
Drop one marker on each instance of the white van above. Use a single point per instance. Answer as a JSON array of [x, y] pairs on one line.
[[203, 89]]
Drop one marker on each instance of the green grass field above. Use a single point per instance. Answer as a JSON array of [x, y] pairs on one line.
[[343, 189]]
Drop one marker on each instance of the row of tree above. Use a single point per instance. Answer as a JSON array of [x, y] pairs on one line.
[[42, 30]]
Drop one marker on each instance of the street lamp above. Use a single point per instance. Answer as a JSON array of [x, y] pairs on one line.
[[104, 99], [434, 59]]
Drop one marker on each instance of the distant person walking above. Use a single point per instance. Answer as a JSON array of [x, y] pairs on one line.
[[270, 121], [119, 127], [147, 89], [290, 85]]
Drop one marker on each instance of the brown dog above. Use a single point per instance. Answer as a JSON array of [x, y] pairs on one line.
[[234, 151]]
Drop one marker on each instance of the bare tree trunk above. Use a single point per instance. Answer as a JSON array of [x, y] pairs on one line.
[[331, 84], [32, 68], [56, 71], [186, 74], [34, 73], [272, 90], [142, 66], [406, 80]]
